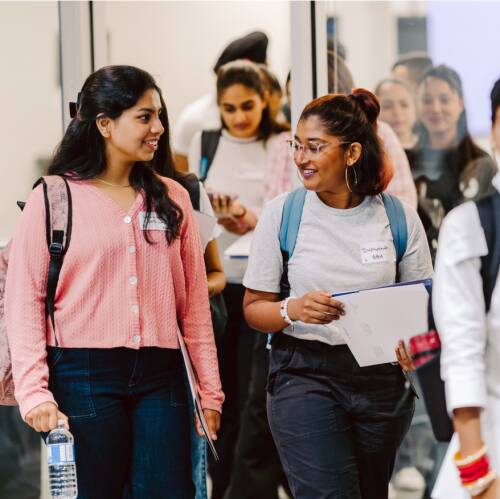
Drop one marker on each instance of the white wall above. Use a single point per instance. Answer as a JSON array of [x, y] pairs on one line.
[[180, 41], [31, 107]]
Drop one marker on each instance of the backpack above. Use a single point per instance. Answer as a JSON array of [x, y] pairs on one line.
[[58, 222], [209, 143], [290, 224], [426, 348]]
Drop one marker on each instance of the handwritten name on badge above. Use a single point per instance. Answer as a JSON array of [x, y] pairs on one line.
[[378, 251], [154, 222]]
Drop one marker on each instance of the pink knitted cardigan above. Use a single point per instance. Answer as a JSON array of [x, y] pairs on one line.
[[115, 290]]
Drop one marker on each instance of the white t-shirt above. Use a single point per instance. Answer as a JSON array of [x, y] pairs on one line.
[[202, 114], [238, 168], [206, 208], [328, 254]]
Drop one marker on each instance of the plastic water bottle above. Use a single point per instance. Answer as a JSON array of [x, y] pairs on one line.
[[61, 459]]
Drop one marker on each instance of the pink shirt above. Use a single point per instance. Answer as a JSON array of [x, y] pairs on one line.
[[115, 290]]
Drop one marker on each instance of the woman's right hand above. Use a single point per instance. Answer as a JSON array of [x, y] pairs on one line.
[[44, 417], [316, 307]]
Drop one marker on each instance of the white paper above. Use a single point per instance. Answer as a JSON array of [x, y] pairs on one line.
[[377, 319], [448, 485], [240, 248], [206, 224], [194, 393]]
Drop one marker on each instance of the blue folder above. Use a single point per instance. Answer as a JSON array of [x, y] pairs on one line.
[[426, 282]]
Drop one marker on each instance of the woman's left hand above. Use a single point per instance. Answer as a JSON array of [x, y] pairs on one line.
[[404, 358], [213, 422]]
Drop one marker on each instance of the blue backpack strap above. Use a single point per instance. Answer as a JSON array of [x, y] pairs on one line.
[[289, 229], [290, 220], [397, 221], [489, 210]]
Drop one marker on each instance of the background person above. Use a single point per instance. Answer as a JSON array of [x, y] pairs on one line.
[[203, 114], [412, 66], [236, 181], [398, 109], [319, 399], [132, 274], [447, 166], [470, 338]]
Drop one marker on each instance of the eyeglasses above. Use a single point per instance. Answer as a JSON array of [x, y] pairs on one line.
[[309, 150]]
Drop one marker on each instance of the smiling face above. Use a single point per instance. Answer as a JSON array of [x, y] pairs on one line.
[[397, 108], [135, 134], [241, 110], [323, 171], [440, 107]]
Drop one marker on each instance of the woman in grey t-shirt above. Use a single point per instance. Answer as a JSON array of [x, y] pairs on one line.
[[336, 425]]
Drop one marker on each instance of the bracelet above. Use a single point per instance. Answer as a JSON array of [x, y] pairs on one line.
[[480, 485], [284, 311], [464, 461], [475, 473]]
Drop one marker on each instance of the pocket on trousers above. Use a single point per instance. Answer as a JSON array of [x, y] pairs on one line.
[[69, 382]]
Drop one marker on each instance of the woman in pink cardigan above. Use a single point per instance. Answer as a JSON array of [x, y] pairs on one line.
[[134, 270]]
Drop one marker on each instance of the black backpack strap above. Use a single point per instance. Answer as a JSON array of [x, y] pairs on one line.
[[191, 183], [58, 225], [209, 143], [489, 214]]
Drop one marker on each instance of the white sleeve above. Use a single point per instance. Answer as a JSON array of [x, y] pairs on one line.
[[265, 264], [459, 309], [416, 263], [194, 155], [206, 207]]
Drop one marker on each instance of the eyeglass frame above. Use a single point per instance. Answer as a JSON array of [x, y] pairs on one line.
[[306, 149]]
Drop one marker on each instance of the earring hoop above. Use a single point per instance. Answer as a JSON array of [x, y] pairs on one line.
[[353, 168]]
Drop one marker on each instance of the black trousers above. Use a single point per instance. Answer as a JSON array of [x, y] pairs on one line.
[[336, 425], [234, 354], [257, 470]]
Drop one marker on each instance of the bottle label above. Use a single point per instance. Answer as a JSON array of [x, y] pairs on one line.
[[60, 454]]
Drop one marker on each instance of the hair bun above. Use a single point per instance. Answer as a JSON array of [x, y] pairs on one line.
[[368, 102]]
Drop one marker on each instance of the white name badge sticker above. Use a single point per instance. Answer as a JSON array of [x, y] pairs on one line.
[[378, 251], [154, 222]]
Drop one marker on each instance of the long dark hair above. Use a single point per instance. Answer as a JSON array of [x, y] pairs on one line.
[[467, 149], [353, 118], [249, 75], [81, 155]]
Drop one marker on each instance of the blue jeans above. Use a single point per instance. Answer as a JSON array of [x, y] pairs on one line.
[[129, 416], [336, 425], [198, 453]]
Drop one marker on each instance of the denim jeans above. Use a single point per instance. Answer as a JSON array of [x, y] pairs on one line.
[[337, 426], [198, 453], [129, 416]]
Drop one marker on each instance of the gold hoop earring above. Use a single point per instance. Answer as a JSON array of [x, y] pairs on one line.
[[353, 168]]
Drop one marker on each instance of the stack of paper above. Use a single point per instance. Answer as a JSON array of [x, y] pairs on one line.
[[240, 248], [377, 319]]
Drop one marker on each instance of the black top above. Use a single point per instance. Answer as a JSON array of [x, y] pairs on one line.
[[446, 178]]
